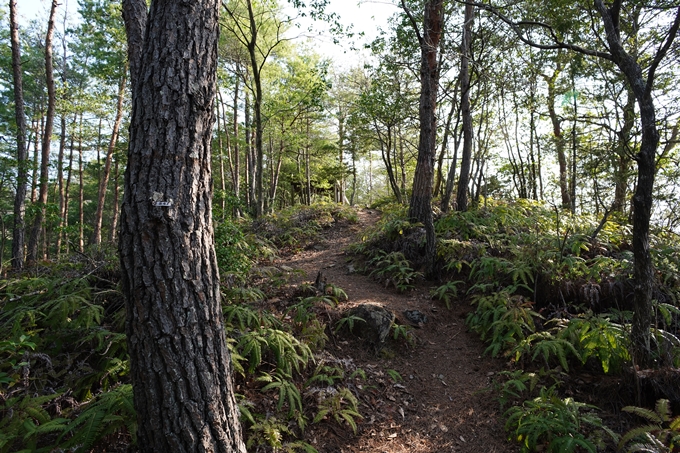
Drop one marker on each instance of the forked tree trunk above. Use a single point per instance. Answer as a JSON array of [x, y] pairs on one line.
[[180, 364]]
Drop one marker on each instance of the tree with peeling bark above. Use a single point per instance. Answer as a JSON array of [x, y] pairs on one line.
[[180, 365]]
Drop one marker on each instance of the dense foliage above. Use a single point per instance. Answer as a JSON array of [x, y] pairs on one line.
[[551, 292]]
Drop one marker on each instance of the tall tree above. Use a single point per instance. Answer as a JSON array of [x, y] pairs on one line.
[[180, 364], [34, 239], [420, 208], [22, 145], [260, 29], [466, 158]]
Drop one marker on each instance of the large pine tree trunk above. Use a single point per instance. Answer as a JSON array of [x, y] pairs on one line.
[[180, 365], [22, 145]]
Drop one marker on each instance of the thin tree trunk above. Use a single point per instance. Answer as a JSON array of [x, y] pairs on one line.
[[67, 189], [623, 153], [104, 180], [38, 128], [466, 158], [237, 158], [18, 236], [643, 268], [60, 183], [81, 190], [558, 137], [115, 209], [46, 141]]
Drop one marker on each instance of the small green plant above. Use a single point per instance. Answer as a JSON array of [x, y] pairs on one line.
[[546, 345], [288, 391], [394, 375], [447, 292], [287, 351], [395, 269], [341, 405], [403, 331], [555, 425], [660, 434], [348, 321], [106, 414], [598, 337], [12, 353], [326, 374], [23, 420], [502, 319]]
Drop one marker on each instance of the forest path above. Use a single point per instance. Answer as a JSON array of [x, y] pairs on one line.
[[444, 403]]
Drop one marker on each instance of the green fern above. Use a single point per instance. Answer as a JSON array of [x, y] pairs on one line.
[[447, 292], [348, 321], [110, 412], [326, 375], [341, 405], [546, 345], [597, 336], [287, 351], [555, 424], [660, 435], [403, 331], [287, 390], [23, 420]]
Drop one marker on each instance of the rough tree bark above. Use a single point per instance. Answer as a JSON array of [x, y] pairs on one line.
[[180, 365], [420, 208], [22, 146]]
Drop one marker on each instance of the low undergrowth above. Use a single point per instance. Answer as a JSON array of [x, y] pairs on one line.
[[64, 369], [551, 292]]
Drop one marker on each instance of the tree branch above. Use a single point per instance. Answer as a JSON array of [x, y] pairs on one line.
[[412, 19], [663, 50], [517, 28]]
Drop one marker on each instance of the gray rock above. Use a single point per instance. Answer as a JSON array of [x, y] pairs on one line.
[[377, 326]]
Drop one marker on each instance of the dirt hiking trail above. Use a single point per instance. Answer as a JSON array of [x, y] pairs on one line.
[[443, 403]]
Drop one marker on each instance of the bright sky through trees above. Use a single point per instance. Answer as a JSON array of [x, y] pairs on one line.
[[364, 16]]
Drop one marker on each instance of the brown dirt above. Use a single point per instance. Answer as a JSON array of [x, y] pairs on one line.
[[443, 403]]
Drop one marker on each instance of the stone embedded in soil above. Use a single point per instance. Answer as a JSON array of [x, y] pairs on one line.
[[374, 330]]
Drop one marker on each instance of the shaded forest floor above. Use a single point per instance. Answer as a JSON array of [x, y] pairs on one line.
[[443, 402]]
